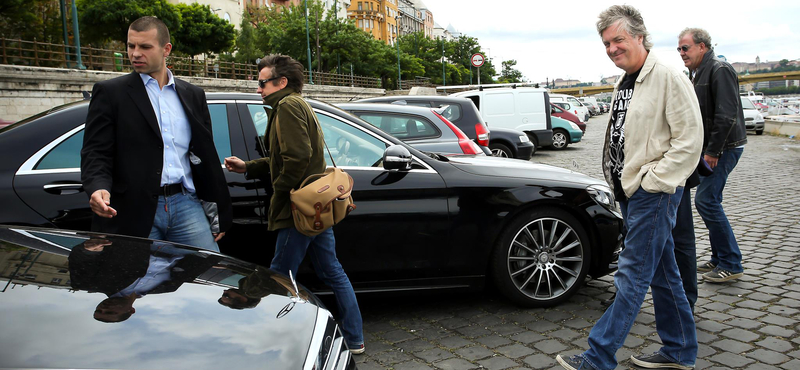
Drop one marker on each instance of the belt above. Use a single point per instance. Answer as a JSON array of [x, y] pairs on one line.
[[171, 189]]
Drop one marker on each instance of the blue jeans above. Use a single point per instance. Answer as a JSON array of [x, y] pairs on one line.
[[685, 247], [647, 260], [183, 222], [724, 249], [290, 249]]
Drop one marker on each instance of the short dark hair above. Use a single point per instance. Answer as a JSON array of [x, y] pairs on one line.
[[147, 23], [285, 66]]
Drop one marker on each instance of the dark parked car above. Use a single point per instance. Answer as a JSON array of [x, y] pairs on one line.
[[77, 300], [503, 142], [423, 128], [435, 222]]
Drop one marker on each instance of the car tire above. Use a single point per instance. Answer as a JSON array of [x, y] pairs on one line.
[[759, 132], [500, 150], [560, 139], [535, 267]]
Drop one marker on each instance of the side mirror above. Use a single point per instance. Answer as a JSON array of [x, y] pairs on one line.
[[396, 157]]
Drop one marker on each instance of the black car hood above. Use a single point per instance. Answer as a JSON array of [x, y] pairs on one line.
[[51, 282], [505, 167]]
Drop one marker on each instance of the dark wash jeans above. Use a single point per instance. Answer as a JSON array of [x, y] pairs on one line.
[[725, 252], [291, 248], [685, 247], [648, 260]]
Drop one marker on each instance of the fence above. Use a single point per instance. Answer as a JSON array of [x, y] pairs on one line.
[[42, 54]]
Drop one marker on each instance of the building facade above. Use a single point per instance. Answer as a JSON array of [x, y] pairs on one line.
[[376, 17]]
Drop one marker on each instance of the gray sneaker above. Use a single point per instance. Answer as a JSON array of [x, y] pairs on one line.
[[657, 361], [718, 275], [706, 267], [574, 362]]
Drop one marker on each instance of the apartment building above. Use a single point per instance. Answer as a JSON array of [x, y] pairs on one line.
[[376, 17]]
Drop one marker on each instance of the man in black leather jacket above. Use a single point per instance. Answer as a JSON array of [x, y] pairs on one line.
[[717, 87]]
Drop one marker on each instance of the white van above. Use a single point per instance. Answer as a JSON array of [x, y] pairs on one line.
[[577, 107], [526, 109]]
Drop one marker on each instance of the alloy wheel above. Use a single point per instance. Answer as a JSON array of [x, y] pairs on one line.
[[545, 259], [559, 140]]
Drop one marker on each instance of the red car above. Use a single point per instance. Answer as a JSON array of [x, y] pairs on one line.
[[559, 112]]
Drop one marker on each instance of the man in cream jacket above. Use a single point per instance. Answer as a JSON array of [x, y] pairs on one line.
[[653, 143]]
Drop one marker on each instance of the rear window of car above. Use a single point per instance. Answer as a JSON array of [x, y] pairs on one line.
[[401, 127], [452, 112]]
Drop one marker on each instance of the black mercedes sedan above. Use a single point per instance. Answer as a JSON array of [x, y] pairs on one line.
[[534, 231], [79, 300]]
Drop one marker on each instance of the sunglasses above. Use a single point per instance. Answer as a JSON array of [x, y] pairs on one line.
[[262, 83], [684, 48]]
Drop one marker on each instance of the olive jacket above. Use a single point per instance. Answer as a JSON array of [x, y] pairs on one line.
[[295, 150]]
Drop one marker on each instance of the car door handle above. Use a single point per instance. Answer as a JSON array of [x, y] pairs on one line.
[[64, 189]]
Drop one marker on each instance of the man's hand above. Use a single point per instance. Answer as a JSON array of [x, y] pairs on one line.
[[712, 161], [218, 236], [100, 201], [234, 164]]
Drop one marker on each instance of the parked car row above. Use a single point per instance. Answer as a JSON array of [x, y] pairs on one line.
[[447, 222]]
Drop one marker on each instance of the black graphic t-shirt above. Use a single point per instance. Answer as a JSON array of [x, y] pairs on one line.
[[616, 145]]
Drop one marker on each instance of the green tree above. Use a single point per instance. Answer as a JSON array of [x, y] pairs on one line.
[[108, 20], [246, 49], [509, 73], [783, 62], [201, 31], [31, 19]]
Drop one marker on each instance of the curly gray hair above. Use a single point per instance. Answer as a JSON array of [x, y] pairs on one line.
[[698, 35], [632, 22]]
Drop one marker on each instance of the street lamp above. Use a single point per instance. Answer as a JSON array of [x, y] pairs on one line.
[[397, 41], [308, 48]]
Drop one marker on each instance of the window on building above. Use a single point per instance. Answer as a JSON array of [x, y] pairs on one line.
[[361, 23], [360, 6]]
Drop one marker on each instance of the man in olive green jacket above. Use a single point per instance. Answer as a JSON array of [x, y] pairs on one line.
[[295, 150]]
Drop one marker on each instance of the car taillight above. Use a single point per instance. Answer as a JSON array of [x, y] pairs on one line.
[[576, 112], [467, 146], [483, 134]]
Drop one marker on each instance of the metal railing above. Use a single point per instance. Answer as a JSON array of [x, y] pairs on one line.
[[42, 54]]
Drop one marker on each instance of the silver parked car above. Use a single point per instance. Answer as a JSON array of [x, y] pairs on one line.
[[423, 128]]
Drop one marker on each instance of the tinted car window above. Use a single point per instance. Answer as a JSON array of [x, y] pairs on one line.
[[349, 145], [67, 154], [219, 125], [401, 127], [452, 112]]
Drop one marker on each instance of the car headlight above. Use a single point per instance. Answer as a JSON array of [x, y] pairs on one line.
[[573, 125], [524, 139], [603, 196]]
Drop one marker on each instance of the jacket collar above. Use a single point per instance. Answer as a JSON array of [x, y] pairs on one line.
[[706, 59], [649, 63], [273, 99]]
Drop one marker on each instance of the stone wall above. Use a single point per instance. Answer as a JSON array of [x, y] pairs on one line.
[[25, 91]]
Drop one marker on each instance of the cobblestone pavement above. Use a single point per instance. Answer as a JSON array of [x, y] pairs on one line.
[[753, 323]]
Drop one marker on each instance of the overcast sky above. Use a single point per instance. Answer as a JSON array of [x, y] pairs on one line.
[[558, 39]]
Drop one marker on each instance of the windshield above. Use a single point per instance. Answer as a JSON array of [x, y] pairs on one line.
[[39, 115], [747, 103]]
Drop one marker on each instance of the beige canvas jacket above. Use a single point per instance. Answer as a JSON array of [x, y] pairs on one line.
[[663, 131]]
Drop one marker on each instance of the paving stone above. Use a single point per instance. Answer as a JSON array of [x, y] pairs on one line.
[[731, 359], [515, 351], [752, 304], [704, 337], [779, 320], [782, 310], [556, 316], [777, 331], [497, 363], [493, 341], [740, 334], [453, 323], [791, 365], [770, 357], [541, 361], [455, 364], [370, 365], [746, 313], [550, 346], [507, 329], [433, 355], [542, 326], [578, 323], [397, 336], [391, 357], [744, 323], [528, 337], [473, 331], [377, 346], [488, 321], [729, 345], [565, 334], [474, 353], [454, 342], [411, 365], [775, 344], [415, 345]]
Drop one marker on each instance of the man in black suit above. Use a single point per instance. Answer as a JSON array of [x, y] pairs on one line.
[[148, 154]]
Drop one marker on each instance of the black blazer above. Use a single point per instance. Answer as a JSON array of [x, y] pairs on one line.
[[123, 153]]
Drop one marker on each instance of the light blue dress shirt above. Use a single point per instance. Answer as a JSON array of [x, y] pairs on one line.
[[175, 131]]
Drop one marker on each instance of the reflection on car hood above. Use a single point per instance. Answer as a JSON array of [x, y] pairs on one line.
[[505, 167], [52, 283]]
